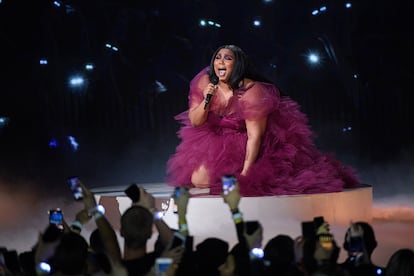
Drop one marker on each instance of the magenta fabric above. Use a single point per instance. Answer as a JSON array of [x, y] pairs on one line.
[[289, 162]]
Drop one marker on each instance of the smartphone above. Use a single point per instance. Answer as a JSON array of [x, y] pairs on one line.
[[318, 221], [2, 259], [257, 253], [251, 226], [308, 230], [228, 181], [177, 192], [56, 218], [75, 187], [161, 265], [133, 192], [178, 240], [356, 244], [11, 259]]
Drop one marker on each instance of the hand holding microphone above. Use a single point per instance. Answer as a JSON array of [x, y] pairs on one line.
[[214, 80]]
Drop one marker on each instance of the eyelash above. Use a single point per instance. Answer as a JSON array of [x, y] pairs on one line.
[[225, 57]]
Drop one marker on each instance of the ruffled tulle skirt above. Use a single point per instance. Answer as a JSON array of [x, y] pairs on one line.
[[288, 162]]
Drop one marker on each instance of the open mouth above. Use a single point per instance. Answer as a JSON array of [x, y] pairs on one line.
[[221, 72]]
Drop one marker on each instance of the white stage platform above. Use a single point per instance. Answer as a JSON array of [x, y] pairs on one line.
[[208, 216]]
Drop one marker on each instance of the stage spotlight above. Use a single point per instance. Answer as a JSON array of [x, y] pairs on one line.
[[313, 58], [348, 5], [69, 9], [74, 144], [315, 12], [204, 23], [257, 23], [43, 61], [4, 121], [57, 4], [356, 76], [109, 46], [53, 143], [322, 9], [266, 2], [76, 81], [159, 87], [89, 66]]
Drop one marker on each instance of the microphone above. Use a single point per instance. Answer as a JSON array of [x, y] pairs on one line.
[[214, 80]]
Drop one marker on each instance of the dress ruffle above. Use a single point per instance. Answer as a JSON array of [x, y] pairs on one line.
[[288, 163]]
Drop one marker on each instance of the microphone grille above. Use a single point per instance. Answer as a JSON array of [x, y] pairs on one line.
[[214, 80]]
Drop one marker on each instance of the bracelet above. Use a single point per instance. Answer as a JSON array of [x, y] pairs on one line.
[[235, 211], [183, 227], [76, 225], [237, 217]]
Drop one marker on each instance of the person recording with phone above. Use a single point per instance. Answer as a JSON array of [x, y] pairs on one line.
[[137, 228], [246, 256], [237, 122], [360, 243], [320, 250]]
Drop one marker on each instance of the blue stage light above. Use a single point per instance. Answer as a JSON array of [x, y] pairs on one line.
[[114, 48], [257, 23], [313, 58], [73, 143], [204, 23], [89, 66], [4, 121], [76, 81], [53, 143], [160, 87]]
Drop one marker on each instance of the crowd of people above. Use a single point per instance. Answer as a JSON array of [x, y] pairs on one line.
[[62, 248]]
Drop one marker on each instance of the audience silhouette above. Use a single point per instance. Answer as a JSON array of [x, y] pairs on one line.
[[62, 249]]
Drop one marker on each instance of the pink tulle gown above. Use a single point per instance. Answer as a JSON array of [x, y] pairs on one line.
[[288, 162]]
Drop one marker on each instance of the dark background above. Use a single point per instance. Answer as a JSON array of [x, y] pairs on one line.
[[124, 124]]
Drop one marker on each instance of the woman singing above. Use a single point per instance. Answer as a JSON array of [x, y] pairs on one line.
[[238, 123]]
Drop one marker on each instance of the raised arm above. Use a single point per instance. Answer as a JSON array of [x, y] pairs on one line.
[[148, 201], [105, 228], [181, 198], [232, 199]]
